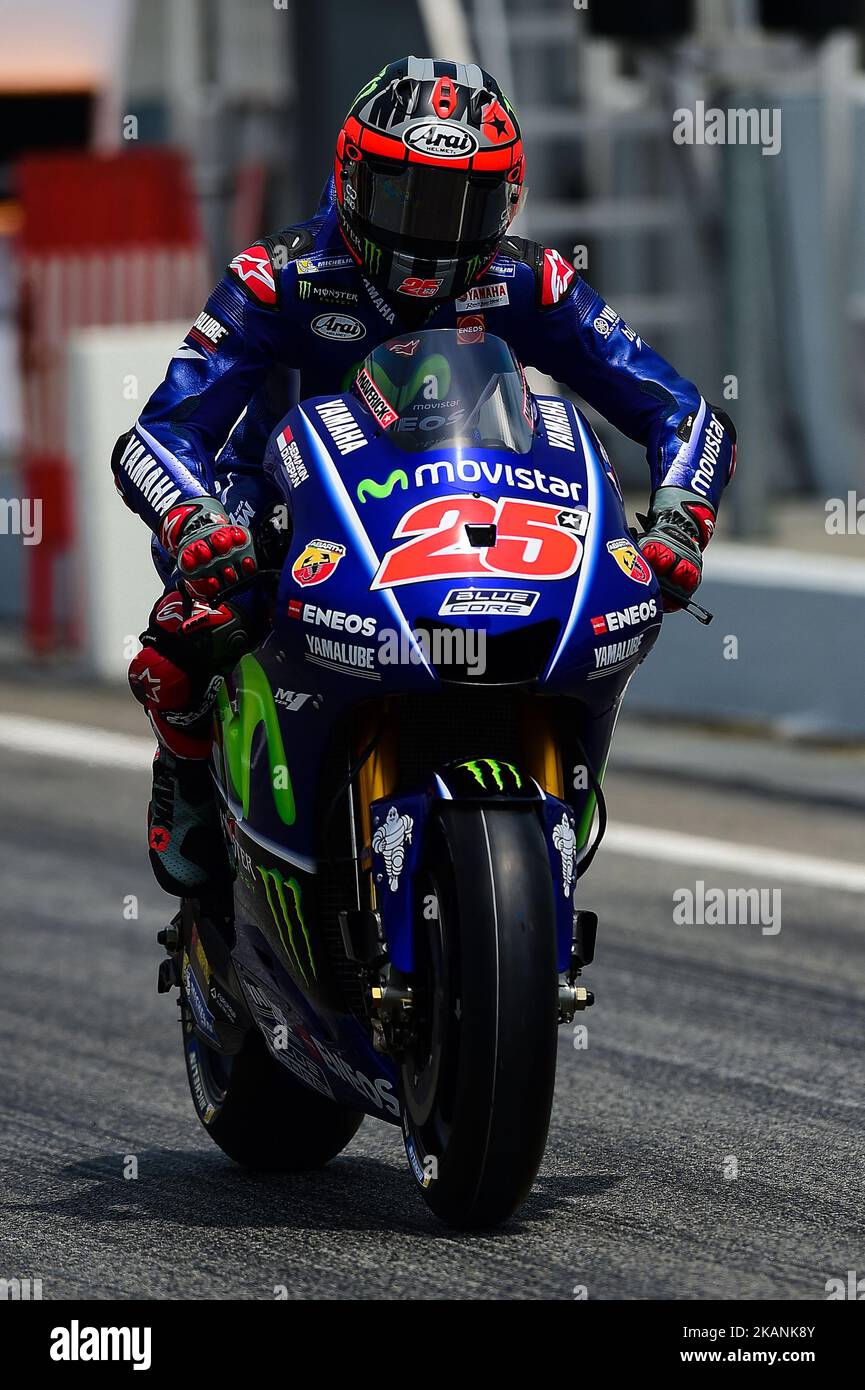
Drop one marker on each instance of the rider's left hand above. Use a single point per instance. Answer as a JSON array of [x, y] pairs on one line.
[[678, 529]]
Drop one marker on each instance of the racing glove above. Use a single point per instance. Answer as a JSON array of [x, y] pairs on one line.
[[212, 554], [678, 529]]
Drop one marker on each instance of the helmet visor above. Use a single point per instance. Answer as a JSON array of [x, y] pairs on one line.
[[427, 211]]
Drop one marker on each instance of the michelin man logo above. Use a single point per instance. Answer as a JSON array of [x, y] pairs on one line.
[[565, 841], [390, 841]]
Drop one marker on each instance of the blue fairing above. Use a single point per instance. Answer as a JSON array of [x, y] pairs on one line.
[[330, 508]]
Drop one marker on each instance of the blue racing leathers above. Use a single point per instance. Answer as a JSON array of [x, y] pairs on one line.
[[295, 314]]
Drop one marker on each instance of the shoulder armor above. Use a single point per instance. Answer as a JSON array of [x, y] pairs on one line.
[[257, 268], [554, 275], [518, 249], [288, 244]]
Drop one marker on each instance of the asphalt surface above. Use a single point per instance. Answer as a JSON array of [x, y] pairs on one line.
[[710, 1050]]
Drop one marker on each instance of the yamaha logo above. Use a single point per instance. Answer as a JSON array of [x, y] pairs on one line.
[[339, 327], [441, 139]]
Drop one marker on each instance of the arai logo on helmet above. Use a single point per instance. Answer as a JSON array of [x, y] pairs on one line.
[[340, 327], [441, 139]]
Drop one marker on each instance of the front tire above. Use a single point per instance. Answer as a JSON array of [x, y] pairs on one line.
[[478, 1081]]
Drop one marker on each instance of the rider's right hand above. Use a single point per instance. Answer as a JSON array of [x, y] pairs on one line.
[[212, 554]]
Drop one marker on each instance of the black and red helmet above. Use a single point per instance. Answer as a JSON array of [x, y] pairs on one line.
[[429, 172]]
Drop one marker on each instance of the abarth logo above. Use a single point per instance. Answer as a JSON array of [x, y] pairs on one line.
[[317, 562]]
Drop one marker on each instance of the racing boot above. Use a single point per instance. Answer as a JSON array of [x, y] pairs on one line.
[[173, 677], [186, 847]]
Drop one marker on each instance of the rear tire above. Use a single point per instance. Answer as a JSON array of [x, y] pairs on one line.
[[256, 1111], [478, 1085]]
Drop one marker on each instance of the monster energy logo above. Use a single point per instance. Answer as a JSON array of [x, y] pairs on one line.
[[283, 899], [473, 266], [371, 255], [370, 87], [255, 707], [304, 289], [478, 768], [368, 487]]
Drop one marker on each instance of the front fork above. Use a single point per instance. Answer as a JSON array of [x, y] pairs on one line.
[[380, 937]]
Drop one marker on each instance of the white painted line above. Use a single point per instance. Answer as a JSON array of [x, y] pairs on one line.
[[98, 748], [671, 847], [765, 567], [79, 743]]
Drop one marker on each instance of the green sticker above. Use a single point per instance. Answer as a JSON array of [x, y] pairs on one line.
[[255, 706]]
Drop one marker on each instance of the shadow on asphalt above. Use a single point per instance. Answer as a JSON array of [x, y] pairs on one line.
[[205, 1191]]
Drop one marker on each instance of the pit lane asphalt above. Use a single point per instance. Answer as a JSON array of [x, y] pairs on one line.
[[707, 1047]]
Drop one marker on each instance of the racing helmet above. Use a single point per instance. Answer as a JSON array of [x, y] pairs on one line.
[[429, 174]]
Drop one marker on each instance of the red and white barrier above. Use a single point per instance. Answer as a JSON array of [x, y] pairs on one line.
[[106, 241]]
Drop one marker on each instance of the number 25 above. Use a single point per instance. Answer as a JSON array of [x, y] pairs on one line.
[[529, 542]]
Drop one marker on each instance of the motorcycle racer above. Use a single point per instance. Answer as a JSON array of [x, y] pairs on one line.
[[412, 230]]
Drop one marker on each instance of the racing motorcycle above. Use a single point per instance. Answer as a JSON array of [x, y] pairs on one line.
[[407, 789]]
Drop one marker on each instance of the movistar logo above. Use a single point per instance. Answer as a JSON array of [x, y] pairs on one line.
[[368, 487], [283, 899], [480, 767], [255, 707]]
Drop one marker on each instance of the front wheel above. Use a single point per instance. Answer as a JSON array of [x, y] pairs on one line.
[[477, 1081]]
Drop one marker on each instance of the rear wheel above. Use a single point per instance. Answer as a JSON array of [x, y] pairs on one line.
[[478, 1079], [255, 1110]]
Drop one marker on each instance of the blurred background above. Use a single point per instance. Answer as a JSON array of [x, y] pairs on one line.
[[145, 141]]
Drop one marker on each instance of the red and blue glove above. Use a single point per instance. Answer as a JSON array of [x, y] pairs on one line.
[[212, 554], [679, 526]]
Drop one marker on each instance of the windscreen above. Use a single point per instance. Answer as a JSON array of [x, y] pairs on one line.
[[454, 387]]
